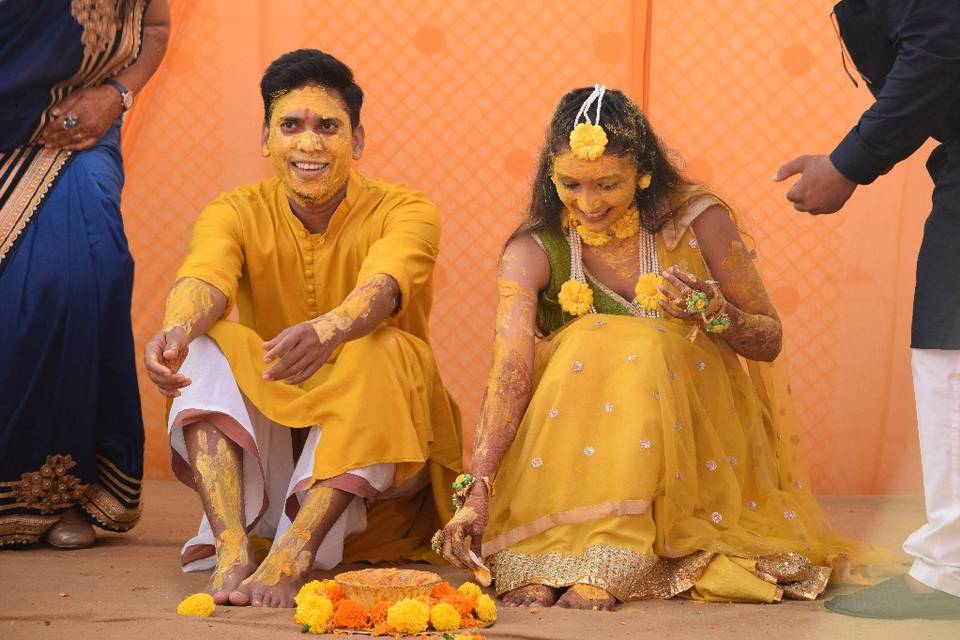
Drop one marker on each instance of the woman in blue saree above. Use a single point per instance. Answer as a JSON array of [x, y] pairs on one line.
[[71, 432]]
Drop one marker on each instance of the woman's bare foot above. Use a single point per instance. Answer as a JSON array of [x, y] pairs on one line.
[[532, 595], [585, 596], [276, 581], [234, 564]]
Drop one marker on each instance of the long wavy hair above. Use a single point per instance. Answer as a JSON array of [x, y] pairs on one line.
[[629, 135]]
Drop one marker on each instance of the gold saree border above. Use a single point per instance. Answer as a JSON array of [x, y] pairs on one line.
[[24, 529], [624, 574], [38, 168], [571, 516]]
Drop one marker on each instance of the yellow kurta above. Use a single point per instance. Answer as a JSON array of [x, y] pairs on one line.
[[379, 399], [649, 465]]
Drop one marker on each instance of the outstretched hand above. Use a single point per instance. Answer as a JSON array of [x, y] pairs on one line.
[[162, 356], [820, 189]]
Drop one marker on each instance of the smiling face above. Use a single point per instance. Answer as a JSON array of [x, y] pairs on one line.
[[311, 144], [597, 191]]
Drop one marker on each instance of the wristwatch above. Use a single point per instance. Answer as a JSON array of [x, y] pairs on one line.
[[126, 96]]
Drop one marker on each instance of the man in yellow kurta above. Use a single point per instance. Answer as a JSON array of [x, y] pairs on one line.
[[320, 413]]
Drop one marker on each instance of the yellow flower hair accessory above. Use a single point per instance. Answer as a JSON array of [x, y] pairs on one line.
[[199, 605], [647, 294], [588, 140], [575, 297], [644, 181]]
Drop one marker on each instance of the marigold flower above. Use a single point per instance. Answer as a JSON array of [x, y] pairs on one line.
[[311, 588], [378, 613], [314, 611], [588, 141], [408, 616], [486, 609], [199, 605], [442, 591], [444, 617], [647, 293], [350, 614], [333, 590], [575, 297], [469, 589]]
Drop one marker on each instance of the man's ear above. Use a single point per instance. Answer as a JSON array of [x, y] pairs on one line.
[[359, 139], [264, 136]]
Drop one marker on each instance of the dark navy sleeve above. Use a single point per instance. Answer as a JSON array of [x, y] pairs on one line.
[[921, 89]]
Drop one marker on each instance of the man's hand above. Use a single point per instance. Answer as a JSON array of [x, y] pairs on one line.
[[163, 356], [820, 189], [300, 352], [94, 110]]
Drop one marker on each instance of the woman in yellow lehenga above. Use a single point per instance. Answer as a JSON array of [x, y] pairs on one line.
[[644, 447]]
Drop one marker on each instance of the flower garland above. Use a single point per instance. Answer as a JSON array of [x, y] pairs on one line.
[[576, 296], [626, 226], [322, 608]]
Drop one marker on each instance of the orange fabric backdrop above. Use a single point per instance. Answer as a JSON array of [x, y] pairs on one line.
[[458, 98]]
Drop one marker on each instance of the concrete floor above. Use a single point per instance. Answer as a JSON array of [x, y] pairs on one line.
[[128, 587]]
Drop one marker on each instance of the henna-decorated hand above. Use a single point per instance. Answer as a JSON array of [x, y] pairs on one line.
[[681, 285], [94, 109], [464, 532]]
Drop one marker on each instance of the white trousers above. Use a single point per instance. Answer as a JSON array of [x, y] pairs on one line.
[[936, 545], [270, 475]]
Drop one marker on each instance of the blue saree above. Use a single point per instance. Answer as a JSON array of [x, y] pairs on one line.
[[71, 431]]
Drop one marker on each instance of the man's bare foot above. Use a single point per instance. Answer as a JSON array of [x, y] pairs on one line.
[[532, 595], [585, 596], [276, 581], [226, 577]]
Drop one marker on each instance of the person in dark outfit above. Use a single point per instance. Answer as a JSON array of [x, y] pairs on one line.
[[908, 52]]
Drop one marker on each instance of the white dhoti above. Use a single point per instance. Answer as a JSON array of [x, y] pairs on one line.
[[273, 482]]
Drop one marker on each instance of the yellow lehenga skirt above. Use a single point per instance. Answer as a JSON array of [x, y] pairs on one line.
[[651, 466]]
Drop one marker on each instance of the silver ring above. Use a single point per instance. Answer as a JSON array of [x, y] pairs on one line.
[[70, 121]]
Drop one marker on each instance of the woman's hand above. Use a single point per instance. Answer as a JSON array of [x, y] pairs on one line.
[[91, 112], [679, 286], [464, 532]]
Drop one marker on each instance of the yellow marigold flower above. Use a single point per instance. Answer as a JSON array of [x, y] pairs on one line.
[[312, 588], [644, 181], [444, 617], [627, 225], [408, 616], [647, 293], [469, 589], [314, 611], [588, 141], [199, 605], [575, 297], [486, 609]]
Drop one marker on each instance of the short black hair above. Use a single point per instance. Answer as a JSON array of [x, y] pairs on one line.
[[305, 67]]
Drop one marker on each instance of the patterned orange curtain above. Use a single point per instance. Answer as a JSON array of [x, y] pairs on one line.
[[459, 95]]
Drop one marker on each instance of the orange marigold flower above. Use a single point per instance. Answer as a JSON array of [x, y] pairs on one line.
[[467, 620], [351, 615], [378, 613], [462, 602], [333, 590], [442, 591]]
